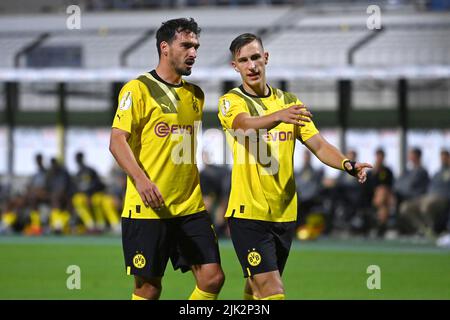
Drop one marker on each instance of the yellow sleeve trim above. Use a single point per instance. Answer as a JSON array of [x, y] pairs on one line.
[[342, 163]]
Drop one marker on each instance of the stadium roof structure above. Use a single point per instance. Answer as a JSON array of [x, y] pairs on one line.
[[294, 37]]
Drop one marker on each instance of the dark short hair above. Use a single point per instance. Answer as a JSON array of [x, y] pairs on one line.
[[169, 28], [243, 40], [417, 152], [380, 151], [79, 156]]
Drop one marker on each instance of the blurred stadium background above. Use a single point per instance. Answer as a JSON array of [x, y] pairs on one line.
[[386, 88]]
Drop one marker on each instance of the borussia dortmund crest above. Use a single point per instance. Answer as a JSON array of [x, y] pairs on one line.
[[254, 258], [139, 261]]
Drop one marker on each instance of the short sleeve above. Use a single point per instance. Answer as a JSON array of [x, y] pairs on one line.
[[128, 110], [229, 108], [307, 131], [200, 96]]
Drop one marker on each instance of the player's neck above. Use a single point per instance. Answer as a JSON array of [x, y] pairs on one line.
[[168, 74], [260, 90]]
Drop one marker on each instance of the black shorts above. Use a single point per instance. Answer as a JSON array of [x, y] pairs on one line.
[[149, 243], [261, 246]]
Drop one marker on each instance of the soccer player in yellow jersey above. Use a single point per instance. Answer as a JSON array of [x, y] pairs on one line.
[[164, 216], [262, 123]]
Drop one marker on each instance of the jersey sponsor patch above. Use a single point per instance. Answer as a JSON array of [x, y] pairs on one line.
[[126, 101], [225, 106]]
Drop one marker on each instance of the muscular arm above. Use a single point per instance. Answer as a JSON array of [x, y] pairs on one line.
[[325, 152], [331, 156], [125, 158], [291, 115]]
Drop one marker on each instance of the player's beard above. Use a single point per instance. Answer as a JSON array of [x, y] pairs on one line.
[[183, 71], [180, 69]]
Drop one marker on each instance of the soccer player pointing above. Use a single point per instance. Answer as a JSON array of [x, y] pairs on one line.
[[262, 207], [164, 216]]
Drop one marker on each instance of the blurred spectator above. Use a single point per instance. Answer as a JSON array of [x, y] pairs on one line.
[[215, 182], [428, 213], [21, 211], [309, 186], [12, 214], [60, 188], [410, 185], [414, 181], [380, 182], [3, 193], [347, 198], [117, 186], [309, 189], [436, 204], [7, 218], [37, 195], [90, 197]]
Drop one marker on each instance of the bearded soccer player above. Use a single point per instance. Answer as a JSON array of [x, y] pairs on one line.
[[262, 124], [164, 216]]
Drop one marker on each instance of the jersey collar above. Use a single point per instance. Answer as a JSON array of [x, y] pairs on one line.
[[255, 96], [157, 77]]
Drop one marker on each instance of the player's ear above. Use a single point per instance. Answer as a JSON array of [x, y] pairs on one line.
[[266, 57], [164, 46], [233, 64]]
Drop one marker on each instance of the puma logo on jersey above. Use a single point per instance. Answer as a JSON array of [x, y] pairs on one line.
[[168, 108]]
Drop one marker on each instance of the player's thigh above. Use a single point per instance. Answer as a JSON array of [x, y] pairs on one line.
[[146, 246], [381, 195], [283, 234], [196, 241], [254, 245]]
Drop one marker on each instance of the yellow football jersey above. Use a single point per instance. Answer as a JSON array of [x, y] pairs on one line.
[[262, 183], [163, 120]]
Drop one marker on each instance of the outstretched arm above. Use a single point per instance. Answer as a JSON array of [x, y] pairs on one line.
[[294, 115], [331, 156]]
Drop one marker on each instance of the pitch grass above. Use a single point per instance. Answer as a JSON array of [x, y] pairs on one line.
[[35, 268]]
